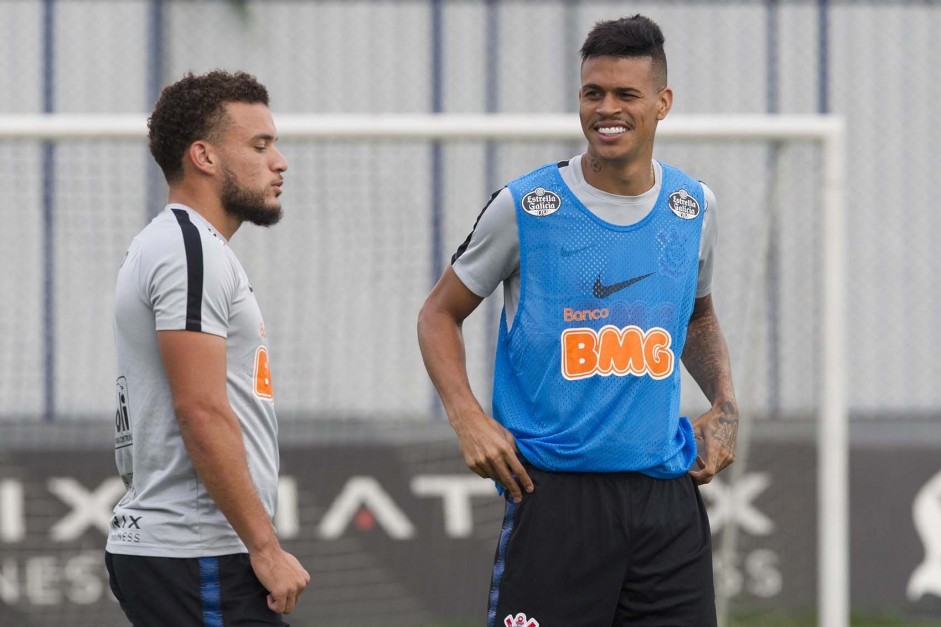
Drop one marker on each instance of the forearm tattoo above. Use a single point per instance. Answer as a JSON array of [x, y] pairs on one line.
[[726, 433], [706, 357]]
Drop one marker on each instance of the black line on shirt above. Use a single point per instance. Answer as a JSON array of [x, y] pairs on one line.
[[466, 243], [193, 246]]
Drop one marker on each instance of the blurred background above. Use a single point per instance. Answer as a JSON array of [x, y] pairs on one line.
[[375, 498]]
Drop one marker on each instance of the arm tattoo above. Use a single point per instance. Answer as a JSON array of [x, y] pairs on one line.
[[726, 433], [706, 357]]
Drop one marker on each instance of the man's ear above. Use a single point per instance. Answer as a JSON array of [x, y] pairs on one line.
[[203, 157], [664, 102]]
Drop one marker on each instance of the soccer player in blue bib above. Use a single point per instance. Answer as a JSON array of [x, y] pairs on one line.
[[606, 264]]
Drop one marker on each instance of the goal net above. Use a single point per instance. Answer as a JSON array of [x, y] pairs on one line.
[[375, 497]]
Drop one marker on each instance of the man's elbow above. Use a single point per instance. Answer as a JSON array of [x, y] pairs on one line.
[[193, 413], [428, 315]]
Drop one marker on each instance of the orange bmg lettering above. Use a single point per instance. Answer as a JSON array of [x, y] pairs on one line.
[[264, 388], [586, 352]]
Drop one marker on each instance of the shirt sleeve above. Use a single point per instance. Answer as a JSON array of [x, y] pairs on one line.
[[707, 243], [491, 253], [188, 288]]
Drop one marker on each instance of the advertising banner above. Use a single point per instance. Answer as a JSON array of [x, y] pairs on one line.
[[404, 534]]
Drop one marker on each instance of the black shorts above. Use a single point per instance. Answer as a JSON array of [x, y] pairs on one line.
[[189, 592], [604, 550]]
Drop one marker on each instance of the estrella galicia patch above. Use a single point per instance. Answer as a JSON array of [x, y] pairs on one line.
[[541, 202], [684, 205]]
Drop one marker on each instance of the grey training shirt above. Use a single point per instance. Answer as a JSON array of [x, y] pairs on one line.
[[180, 274]]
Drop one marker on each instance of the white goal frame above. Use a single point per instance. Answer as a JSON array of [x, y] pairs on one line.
[[827, 130]]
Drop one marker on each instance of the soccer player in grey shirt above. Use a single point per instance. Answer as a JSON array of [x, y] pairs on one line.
[[192, 541]]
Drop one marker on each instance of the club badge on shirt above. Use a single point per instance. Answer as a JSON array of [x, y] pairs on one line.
[[684, 205], [541, 202]]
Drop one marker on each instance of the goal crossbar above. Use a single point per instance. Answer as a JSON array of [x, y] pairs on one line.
[[61, 126]]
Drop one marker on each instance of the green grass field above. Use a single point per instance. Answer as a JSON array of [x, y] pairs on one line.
[[772, 620]]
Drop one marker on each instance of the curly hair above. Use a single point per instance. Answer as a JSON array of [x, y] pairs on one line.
[[193, 108], [635, 36]]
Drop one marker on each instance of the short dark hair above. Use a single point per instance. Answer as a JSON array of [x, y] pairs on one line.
[[193, 108], [635, 36]]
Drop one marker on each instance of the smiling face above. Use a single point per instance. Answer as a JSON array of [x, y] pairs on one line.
[[620, 102], [252, 167]]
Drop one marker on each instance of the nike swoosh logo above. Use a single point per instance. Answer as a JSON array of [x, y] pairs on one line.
[[600, 290], [568, 252]]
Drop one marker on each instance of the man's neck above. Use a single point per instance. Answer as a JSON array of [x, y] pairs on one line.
[[209, 207], [623, 179]]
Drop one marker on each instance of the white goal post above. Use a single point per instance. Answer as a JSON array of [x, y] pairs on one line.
[[827, 131]]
